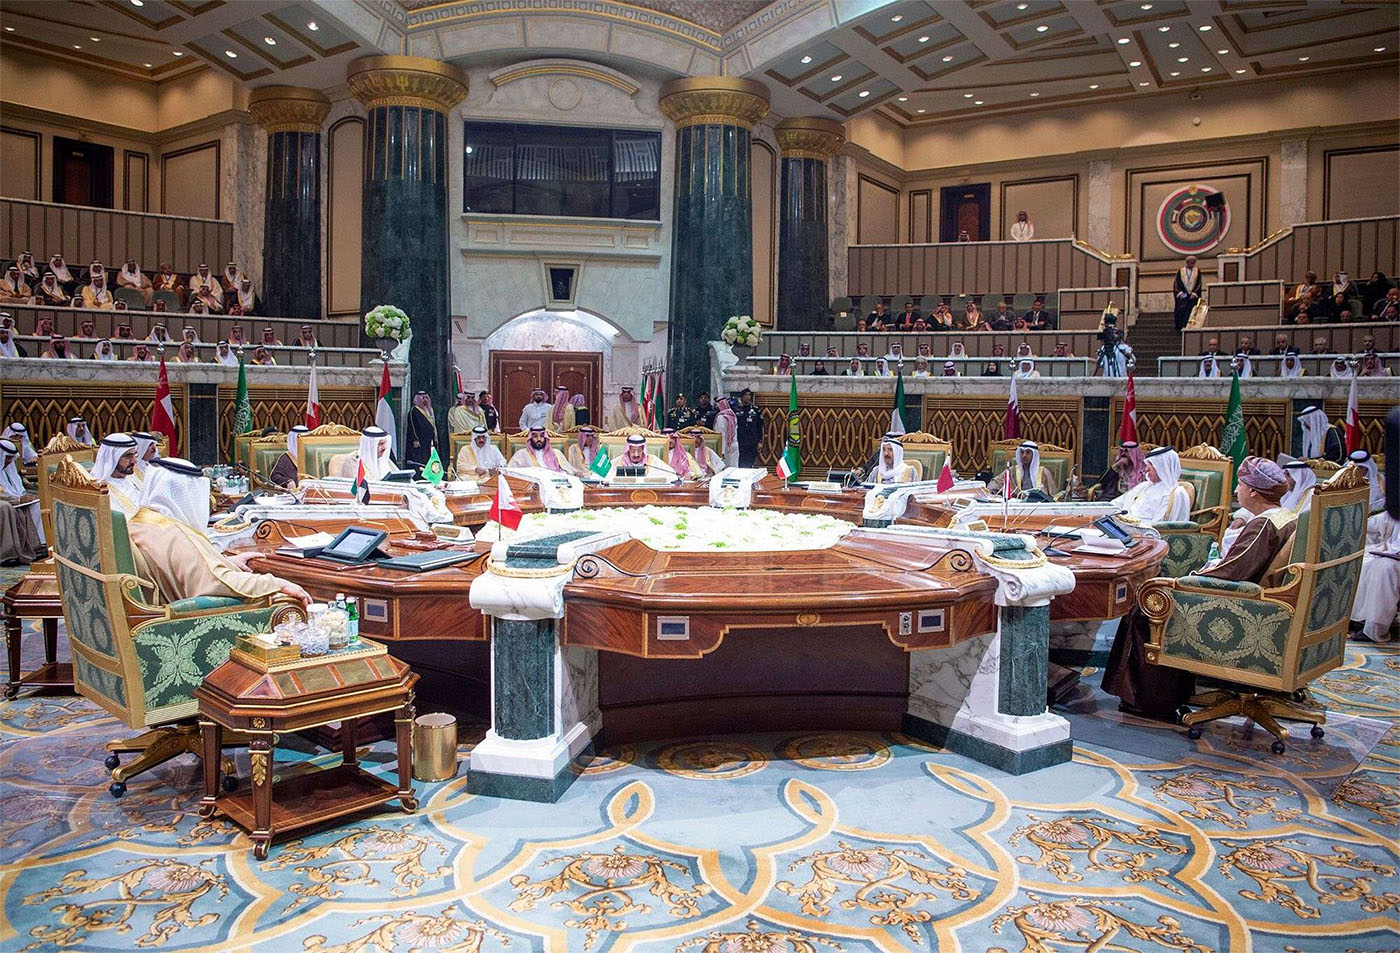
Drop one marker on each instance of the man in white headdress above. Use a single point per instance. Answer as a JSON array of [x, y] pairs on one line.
[[96, 294], [21, 534], [636, 455], [1291, 366], [882, 368], [1210, 367], [1025, 370], [1026, 472], [374, 453], [19, 433], [950, 369], [1242, 365], [247, 299], [1378, 590], [78, 429], [891, 467], [1301, 482], [59, 269], [479, 457], [223, 354], [466, 415], [537, 412], [627, 412], [854, 369], [9, 347], [1160, 497], [104, 351], [1320, 438], [115, 466], [130, 277], [539, 451], [1341, 369], [584, 451], [231, 278], [1368, 463], [147, 449], [1186, 291], [167, 534], [50, 292], [707, 460], [284, 472], [202, 281]]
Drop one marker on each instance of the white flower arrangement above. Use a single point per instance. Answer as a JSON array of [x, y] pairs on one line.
[[698, 529], [743, 330], [387, 321]]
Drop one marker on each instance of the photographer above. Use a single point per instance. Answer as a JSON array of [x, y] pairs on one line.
[[1115, 357]]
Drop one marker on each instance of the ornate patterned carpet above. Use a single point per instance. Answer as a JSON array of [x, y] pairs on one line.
[[764, 844]]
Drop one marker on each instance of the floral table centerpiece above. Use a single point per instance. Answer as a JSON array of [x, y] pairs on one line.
[[742, 334], [694, 529], [389, 327]]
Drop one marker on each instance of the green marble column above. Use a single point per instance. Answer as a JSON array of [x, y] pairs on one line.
[[522, 657], [1025, 652], [291, 267], [803, 276], [404, 221], [712, 229]]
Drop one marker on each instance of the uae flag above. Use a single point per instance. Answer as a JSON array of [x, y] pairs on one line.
[[313, 401], [653, 401], [360, 488], [1011, 423], [504, 509], [791, 461], [383, 413], [1353, 421], [163, 412], [1127, 427]]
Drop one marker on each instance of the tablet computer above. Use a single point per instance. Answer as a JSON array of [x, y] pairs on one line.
[[356, 544]]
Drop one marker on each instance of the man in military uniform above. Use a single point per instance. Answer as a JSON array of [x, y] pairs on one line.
[[750, 428], [680, 416]]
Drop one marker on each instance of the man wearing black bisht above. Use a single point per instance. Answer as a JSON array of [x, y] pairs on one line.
[[422, 432], [750, 428]]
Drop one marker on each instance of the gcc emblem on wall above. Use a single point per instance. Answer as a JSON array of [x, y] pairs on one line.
[[1193, 219]]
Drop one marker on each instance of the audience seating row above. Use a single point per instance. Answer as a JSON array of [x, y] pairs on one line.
[[1263, 365], [1069, 308], [68, 322], [1336, 338], [285, 355], [966, 366], [977, 344]]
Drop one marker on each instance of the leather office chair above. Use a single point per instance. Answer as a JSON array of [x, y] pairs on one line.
[[138, 660], [1267, 644]]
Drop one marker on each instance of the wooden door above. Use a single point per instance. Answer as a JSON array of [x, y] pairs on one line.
[[965, 208], [82, 173], [515, 375]]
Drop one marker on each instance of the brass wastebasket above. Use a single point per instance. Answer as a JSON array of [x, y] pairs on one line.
[[434, 747]]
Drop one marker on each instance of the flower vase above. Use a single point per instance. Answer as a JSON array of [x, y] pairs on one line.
[[386, 347], [742, 351]]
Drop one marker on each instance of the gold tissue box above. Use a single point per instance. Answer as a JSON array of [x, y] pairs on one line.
[[264, 650]]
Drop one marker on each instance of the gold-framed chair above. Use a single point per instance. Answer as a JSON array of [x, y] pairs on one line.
[[456, 441], [262, 453], [1210, 474], [1267, 644], [139, 660], [1057, 460], [925, 452], [316, 447], [616, 440], [60, 446]]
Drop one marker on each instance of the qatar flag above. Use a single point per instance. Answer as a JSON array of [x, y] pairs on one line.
[[945, 478], [1011, 423], [1127, 427], [504, 509], [163, 412], [313, 402], [1353, 421]]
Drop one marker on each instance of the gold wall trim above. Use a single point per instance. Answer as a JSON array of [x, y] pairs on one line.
[[809, 137], [525, 71], [45, 406], [717, 100], [406, 81], [289, 108]]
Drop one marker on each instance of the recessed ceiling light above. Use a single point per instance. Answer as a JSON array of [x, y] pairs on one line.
[[471, 149], [1205, 69], [977, 102], [1183, 59], [1223, 52], [948, 59], [923, 110], [864, 93], [923, 39], [1204, 28], [836, 78], [138, 3], [76, 46], [1034, 95], [1123, 41], [95, 39], [9, 29], [230, 54], [1176, 73], [1147, 6], [806, 60], [1135, 63], [178, 52], [312, 25], [1238, 71], [1380, 49], [968, 95], [1022, 6], [904, 99], [1042, 28], [147, 65], [1144, 84], [269, 41], [896, 18], [1093, 85], [1304, 59], [1164, 29], [1172, 46]]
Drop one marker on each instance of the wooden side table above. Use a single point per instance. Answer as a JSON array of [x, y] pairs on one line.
[[264, 699], [35, 597]]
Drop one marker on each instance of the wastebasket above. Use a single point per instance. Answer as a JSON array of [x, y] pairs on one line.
[[434, 747]]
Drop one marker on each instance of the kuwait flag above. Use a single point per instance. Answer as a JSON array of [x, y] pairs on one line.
[[1127, 427], [1353, 421], [791, 461], [313, 401], [504, 509], [384, 414], [897, 415], [163, 413], [360, 488], [1011, 423]]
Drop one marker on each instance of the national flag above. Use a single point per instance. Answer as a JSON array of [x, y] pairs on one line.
[[1127, 427], [1011, 423], [504, 509], [600, 464], [459, 387], [897, 415], [432, 470], [791, 462], [1232, 441], [242, 407], [383, 413], [653, 401], [945, 478], [360, 488], [1353, 421], [313, 401], [163, 411]]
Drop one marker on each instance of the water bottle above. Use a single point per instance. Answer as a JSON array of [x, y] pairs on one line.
[[352, 609], [1214, 555]]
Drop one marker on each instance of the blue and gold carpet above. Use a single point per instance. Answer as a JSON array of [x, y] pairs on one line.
[[762, 844]]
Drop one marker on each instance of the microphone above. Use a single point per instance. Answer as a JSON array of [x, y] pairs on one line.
[[1050, 549]]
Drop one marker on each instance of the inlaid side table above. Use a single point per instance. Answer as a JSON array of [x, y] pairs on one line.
[[263, 699], [35, 597]]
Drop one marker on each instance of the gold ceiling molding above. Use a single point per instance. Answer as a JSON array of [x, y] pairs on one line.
[[714, 100], [578, 68], [289, 108], [406, 81], [810, 137]]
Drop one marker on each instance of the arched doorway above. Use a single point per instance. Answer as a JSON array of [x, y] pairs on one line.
[[546, 348]]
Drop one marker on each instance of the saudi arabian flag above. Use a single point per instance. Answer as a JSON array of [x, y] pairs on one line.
[[1232, 442], [242, 407], [432, 470], [791, 461], [600, 464]]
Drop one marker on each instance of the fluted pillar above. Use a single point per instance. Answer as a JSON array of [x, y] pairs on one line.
[[404, 222], [806, 144], [712, 247], [291, 272]]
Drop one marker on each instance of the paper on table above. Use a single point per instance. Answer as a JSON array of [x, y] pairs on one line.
[[312, 541]]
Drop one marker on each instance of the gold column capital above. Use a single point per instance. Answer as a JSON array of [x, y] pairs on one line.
[[810, 137], [406, 81], [718, 100], [289, 108]]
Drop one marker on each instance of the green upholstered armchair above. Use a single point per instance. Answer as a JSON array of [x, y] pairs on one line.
[[140, 661], [926, 450], [261, 454], [1210, 474], [456, 441], [54, 452], [1267, 644], [1056, 460], [1188, 547], [315, 448]]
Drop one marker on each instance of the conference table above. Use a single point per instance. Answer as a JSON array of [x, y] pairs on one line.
[[861, 634]]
